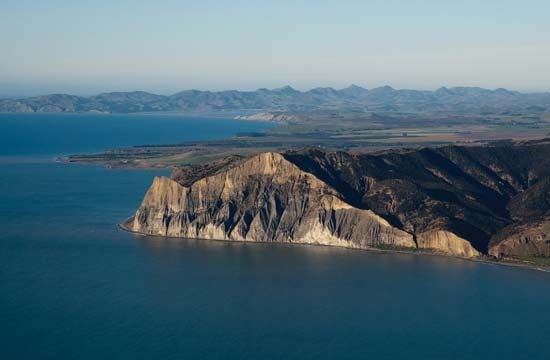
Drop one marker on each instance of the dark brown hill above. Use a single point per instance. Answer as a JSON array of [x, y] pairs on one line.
[[459, 200]]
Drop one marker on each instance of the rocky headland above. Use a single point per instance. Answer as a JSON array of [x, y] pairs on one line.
[[467, 201]]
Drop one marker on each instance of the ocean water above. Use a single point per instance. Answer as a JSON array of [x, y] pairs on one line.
[[74, 286]]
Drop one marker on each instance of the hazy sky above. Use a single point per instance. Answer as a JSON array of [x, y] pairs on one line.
[[86, 47]]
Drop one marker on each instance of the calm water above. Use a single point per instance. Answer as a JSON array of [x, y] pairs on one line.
[[73, 286]]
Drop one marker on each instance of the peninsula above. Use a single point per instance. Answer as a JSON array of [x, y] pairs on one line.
[[456, 171], [467, 201]]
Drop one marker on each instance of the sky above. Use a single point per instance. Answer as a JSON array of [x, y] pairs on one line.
[[163, 46]]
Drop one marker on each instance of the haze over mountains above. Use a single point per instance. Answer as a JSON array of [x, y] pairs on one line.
[[381, 99]]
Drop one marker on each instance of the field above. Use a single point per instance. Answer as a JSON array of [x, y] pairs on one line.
[[350, 131]]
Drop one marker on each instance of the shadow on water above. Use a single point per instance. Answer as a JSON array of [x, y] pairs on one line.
[[323, 300], [285, 261]]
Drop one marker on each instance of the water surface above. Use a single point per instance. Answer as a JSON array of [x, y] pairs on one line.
[[62, 134], [72, 285]]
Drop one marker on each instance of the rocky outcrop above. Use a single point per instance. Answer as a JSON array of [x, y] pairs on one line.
[[272, 116], [265, 198], [523, 240], [446, 242], [462, 201]]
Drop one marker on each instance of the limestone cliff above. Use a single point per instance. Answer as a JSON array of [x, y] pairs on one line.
[[272, 116], [463, 201], [524, 239], [446, 242], [265, 198]]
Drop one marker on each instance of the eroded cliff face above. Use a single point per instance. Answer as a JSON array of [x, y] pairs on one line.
[[446, 242], [523, 240], [265, 198], [463, 201]]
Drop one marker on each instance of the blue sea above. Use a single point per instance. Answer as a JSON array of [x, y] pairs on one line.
[[74, 286]]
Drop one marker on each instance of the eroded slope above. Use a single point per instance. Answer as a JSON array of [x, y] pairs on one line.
[[463, 201], [265, 198]]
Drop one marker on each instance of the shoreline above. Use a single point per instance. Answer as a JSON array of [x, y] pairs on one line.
[[504, 262], [229, 115]]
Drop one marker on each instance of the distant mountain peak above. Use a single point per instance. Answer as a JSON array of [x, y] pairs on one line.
[[323, 90], [383, 89], [353, 91], [443, 90], [506, 91], [287, 89], [354, 87], [382, 99]]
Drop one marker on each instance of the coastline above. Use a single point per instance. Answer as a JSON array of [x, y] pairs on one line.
[[198, 152], [486, 260]]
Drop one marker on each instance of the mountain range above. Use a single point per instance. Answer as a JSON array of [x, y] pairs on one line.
[[355, 98]]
